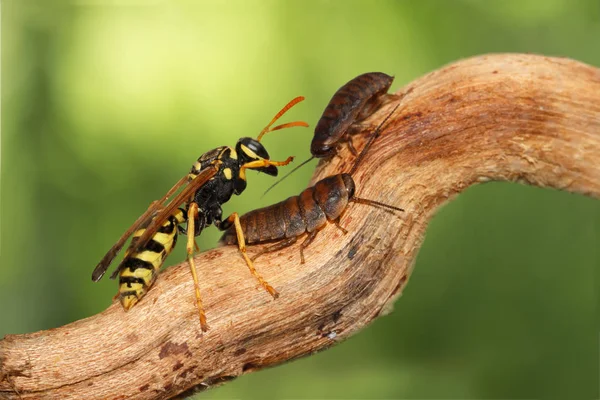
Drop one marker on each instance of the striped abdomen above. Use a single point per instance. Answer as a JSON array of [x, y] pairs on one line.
[[138, 271], [307, 212], [353, 102]]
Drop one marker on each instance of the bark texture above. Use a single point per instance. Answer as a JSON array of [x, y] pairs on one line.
[[507, 117]]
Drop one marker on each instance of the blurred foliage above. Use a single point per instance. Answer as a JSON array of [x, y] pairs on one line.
[[105, 104]]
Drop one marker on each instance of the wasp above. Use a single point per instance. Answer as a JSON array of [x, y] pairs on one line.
[[353, 102], [307, 213], [215, 177]]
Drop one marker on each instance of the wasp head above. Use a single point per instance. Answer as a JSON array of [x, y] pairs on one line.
[[249, 150]]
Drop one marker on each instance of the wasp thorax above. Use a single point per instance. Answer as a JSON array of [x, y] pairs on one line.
[[207, 159]]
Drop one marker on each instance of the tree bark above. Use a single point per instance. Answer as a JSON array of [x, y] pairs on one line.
[[508, 117]]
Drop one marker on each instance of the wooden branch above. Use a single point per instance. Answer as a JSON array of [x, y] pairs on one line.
[[510, 117]]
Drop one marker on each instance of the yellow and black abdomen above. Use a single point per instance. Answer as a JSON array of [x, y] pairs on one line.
[[138, 271]]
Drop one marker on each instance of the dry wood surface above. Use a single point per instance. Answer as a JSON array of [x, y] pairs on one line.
[[506, 117]]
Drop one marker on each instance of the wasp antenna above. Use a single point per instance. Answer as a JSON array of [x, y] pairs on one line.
[[374, 136], [279, 114], [375, 203], [289, 125], [285, 176]]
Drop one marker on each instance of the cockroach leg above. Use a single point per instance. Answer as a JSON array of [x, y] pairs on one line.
[[276, 247], [340, 227], [351, 146], [309, 239], [369, 108]]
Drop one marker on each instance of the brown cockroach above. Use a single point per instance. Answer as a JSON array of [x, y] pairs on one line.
[[352, 103], [309, 212]]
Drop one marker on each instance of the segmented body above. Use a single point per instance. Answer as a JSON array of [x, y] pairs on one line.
[[305, 213], [139, 269], [352, 103]]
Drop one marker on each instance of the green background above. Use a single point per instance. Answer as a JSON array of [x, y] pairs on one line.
[[105, 104]]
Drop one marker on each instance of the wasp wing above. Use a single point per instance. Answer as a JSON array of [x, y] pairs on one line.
[[185, 195], [145, 218]]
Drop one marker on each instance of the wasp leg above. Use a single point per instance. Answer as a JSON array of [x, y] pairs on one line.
[[191, 242], [235, 218], [276, 247], [309, 239], [262, 163], [340, 227]]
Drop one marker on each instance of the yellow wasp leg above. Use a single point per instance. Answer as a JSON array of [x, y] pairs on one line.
[[235, 218], [262, 163], [191, 242]]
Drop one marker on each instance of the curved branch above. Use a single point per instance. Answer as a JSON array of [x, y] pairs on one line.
[[509, 117]]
